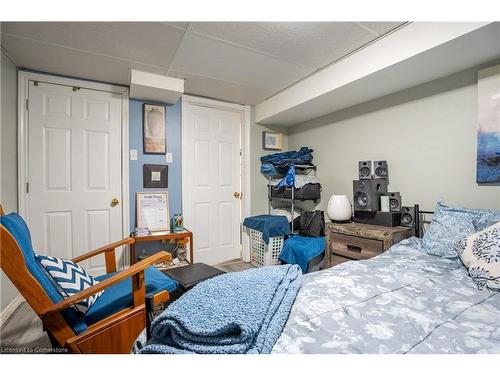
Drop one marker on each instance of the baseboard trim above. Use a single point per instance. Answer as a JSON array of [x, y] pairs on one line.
[[6, 313]]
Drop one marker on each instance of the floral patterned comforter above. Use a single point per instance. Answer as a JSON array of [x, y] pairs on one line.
[[403, 301]]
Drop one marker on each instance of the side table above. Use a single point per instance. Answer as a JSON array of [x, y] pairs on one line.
[[162, 236]]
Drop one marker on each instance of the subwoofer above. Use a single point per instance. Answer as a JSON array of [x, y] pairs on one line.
[[365, 169], [386, 219], [366, 194], [380, 169], [408, 216], [395, 201]]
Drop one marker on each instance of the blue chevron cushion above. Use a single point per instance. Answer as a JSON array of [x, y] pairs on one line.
[[69, 278]]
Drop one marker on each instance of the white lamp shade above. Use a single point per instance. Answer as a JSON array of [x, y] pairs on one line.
[[339, 208]]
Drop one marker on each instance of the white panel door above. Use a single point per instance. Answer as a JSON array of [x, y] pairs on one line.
[[212, 163], [74, 171]]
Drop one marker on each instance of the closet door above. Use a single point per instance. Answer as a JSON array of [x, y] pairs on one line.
[[74, 198], [212, 173]]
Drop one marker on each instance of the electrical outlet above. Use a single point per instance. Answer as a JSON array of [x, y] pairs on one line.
[[133, 154], [168, 157]]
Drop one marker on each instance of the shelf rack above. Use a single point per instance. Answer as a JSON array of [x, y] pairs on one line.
[[304, 169]]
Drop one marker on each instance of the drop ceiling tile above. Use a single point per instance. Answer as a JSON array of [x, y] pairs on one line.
[[381, 27], [211, 58], [59, 60], [217, 89], [147, 42], [313, 44]]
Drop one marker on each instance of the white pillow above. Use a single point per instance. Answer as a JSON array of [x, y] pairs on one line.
[[480, 253]]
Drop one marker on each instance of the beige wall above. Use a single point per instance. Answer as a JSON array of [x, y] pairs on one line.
[[8, 155], [426, 133], [258, 182]]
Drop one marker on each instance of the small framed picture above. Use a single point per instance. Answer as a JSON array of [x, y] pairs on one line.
[[154, 139], [155, 176], [152, 211], [272, 141]]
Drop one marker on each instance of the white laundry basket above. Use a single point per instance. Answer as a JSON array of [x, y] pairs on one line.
[[262, 254]]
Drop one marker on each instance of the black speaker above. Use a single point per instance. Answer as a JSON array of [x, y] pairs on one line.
[[365, 169], [408, 216], [395, 201], [366, 194], [386, 219], [380, 169]]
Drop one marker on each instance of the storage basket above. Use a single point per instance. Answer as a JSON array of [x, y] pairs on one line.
[[263, 254]]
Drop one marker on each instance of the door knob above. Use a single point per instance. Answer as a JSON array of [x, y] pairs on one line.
[[115, 202], [237, 194]]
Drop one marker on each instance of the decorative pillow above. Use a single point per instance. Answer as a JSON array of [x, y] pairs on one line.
[[69, 278], [449, 225], [486, 220], [480, 253]]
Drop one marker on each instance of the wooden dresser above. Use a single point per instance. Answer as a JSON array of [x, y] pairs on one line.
[[355, 241]]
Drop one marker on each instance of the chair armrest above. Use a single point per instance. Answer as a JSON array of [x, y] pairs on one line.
[[112, 246], [135, 269]]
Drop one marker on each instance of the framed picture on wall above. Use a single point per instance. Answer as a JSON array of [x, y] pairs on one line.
[[154, 139], [155, 176], [272, 141], [488, 128], [152, 211]]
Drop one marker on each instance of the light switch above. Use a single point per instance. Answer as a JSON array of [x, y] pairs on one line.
[[168, 157], [133, 154]]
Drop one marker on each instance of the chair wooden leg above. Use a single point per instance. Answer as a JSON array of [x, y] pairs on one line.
[[53, 342]]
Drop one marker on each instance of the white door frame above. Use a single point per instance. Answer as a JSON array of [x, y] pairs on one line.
[[23, 131], [244, 111]]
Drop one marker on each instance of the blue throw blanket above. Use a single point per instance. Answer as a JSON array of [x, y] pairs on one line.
[[300, 250], [235, 313]]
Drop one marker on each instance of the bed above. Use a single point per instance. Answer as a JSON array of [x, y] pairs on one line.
[[402, 301]]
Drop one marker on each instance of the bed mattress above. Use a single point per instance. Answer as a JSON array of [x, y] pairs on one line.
[[403, 301]]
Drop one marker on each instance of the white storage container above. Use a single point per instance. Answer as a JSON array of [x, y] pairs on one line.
[[262, 254]]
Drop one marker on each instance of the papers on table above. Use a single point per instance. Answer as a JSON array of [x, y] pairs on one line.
[[152, 211]]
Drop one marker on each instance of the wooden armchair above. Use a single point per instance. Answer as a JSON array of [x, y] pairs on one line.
[[113, 334]]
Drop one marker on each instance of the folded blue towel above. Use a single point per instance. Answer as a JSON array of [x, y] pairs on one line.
[[268, 170], [269, 225], [234, 313], [300, 250]]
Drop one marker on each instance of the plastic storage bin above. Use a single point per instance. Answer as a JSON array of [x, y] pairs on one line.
[[262, 254]]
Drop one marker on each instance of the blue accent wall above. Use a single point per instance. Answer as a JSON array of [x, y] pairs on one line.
[[173, 130]]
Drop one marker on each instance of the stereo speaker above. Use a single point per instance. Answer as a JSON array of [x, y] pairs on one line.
[[380, 169], [408, 216], [365, 169], [387, 219], [366, 194], [395, 201]]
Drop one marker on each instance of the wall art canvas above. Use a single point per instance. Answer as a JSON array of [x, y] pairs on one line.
[[488, 132], [154, 129], [272, 141], [155, 176]]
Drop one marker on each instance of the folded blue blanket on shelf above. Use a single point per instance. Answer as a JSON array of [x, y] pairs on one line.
[[278, 163], [300, 250], [303, 156], [235, 313]]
